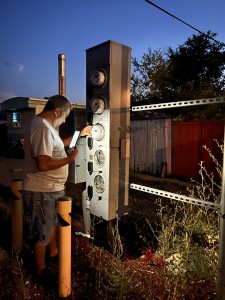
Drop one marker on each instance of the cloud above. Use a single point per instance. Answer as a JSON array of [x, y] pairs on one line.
[[15, 65], [6, 95]]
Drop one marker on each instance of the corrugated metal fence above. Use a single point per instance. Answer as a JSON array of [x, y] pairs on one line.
[[157, 141], [188, 151], [150, 145]]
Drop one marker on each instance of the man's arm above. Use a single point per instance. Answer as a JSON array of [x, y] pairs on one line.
[[46, 163]]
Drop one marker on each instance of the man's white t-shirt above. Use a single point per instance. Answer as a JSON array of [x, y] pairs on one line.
[[42, 139]]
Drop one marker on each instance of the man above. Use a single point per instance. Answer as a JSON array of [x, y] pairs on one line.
[[46, 171]]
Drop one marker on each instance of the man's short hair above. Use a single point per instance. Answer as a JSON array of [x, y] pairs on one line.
[[57, 101]]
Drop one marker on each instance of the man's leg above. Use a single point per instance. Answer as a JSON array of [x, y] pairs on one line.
[[39, 256], [44, 276], [53, 248]]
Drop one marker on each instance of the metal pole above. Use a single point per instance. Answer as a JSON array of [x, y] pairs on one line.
[[220, 287], [64, 211], [62, 74], [17, 215], [86, 212]]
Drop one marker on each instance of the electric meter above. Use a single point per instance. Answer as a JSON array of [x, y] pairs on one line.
[[99, 183], [98, 106], [97, 132], [99, 158], [98, 78], [107, 147]]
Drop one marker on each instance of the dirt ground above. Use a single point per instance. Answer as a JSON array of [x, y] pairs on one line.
[[10, 169], [96, 274]]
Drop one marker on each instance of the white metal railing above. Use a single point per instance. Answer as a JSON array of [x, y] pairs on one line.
[[174, 196], [179, 104], [220, 286]]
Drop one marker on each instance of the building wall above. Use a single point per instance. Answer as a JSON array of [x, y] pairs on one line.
[[3, 137], [18, 133]]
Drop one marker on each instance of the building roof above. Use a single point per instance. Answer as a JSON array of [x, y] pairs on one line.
[[17, 103]]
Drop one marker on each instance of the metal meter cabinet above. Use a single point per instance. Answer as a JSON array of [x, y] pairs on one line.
[[108, 148]]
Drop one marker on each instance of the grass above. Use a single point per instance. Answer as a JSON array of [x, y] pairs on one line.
[[163, 249], [181, 252]]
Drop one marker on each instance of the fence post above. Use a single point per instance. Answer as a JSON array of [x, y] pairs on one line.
[[17, 215], [220, 286], [64, 214]]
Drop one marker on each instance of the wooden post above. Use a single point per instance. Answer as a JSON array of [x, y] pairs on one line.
[[64, 211], [164, 170], [17, 215]]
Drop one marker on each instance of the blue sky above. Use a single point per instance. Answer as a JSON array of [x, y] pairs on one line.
[[33, 33]]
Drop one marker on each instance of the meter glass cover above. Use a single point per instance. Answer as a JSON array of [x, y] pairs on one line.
[[99, 158], [99, 183], [98, 106], [97, 78], [97, 132]]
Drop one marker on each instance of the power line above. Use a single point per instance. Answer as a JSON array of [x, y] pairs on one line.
[[199, 31]]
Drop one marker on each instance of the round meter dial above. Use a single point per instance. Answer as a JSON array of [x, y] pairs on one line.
[[99, 183], [98, 106], [97, 78], [97, 132], [99, 158]]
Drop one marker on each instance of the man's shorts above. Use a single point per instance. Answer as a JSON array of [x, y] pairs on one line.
[[43, 211]]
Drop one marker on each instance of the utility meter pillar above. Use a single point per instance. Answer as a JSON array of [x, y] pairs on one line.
[[108, 109]]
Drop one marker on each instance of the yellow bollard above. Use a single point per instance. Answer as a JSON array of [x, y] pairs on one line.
[[17, 215], [64, 211]]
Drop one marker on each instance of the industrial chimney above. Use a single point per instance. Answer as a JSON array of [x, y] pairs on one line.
[[62, 74]]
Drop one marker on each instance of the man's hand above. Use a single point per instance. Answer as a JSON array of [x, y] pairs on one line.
[[72, 153], [86, 130]]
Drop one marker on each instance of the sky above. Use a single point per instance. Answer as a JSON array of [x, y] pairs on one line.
[[33, 33]]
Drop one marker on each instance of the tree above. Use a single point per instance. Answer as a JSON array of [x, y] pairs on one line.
[[146, 79], [194, 70], [197, 67]]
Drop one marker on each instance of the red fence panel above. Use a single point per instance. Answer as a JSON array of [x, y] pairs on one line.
[[188, 151]]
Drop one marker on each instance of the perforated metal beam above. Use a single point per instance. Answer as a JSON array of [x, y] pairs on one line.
[[220, 285], [173, 196], [179, 104]]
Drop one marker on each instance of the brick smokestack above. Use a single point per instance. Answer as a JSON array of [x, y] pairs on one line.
[[62, 74]]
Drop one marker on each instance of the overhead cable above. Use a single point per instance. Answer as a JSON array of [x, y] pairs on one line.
[[199, 31]]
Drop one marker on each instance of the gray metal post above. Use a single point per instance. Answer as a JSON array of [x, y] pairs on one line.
[[220, 287], [86, 213]]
